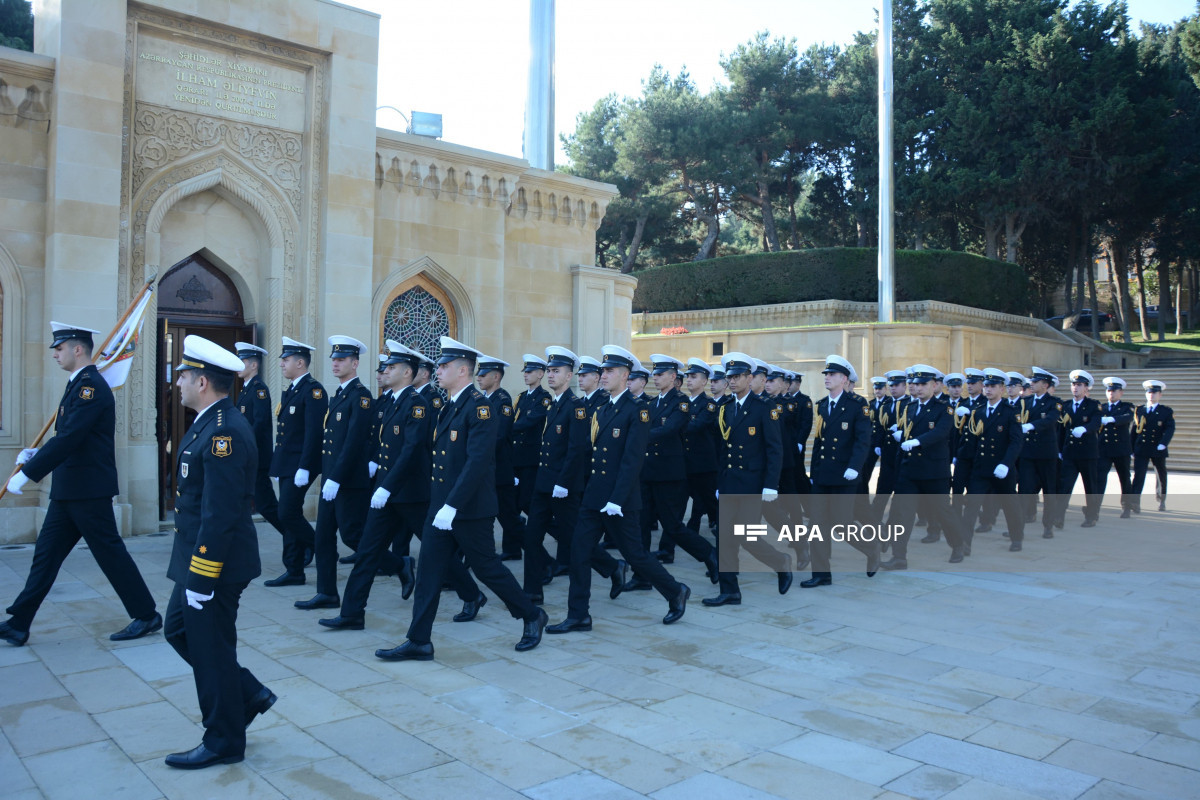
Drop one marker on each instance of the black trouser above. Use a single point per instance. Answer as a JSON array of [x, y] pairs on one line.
[[557, 516], [298, 533], [702, 488], [985, 491], [1084, 468], [1038, 475], [831, 505], [624, 531], [927, 497], [345, 513], [1121, 464], [512, 527], [958, 483], [527, 477], [1140, 464], [666, 501], [887, 480], [66, 521], [477, 542], [864, 477], [747, 510], [207, 641], [264, 500]]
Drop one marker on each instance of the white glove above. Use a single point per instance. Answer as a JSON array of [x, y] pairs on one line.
[[770, 495], [516, 481], [962, 411], [1162, 447], [1107, 420], [16, 482], [558, 491], [1078, 432], [444, 518], [1027, 427], [372, 468], [800, 446], [330, 489], [894, 426], [26, 454], [301, 478], [380, 498], [909, 444], [897, 435], [194, 599], [1060, 456], [1001, 471], [612, 508], [850, 475], [878, 451]]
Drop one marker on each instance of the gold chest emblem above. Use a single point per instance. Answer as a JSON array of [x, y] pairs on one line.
[[454, 436]]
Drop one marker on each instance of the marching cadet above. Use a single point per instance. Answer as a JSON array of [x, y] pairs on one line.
[[700, 445], [992, 443], [612, 498], [638, 378], [528, 420], [885, 447], [879, 391], [1014, 388], [1116, 442], [215, 555], [758, 379], [1153, 427], [974, 378], [345, 453], [82, 459], [1038, 464], [463, 490], [299, 425], [923, 476], [804, 426], [793, 454], [489, 375], [841, 441], [1014, 384], [664, 473], [255, 404], [720, 385], [960, 465], [589, 384], [1080, 448]]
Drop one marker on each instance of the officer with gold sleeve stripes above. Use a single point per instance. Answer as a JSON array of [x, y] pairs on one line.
[[215, 554]]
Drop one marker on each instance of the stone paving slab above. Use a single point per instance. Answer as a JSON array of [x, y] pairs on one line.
[[988, 685]]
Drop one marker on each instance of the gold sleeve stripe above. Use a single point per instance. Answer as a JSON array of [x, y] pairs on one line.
[[204, 562], [207, 573]]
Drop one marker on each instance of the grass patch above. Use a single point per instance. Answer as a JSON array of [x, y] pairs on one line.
[[1188, 341]]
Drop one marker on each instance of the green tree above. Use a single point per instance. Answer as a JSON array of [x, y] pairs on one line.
[[16, 24]]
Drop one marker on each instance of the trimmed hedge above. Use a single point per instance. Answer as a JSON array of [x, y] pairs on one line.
[[832, 273]]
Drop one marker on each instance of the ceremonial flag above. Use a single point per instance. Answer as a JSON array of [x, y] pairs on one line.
[[116, 356]]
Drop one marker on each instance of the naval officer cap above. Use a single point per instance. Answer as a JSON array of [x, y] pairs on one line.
[[639, 370], [1082, 376], [64, 333], [718, 372], [200, 353], [994, 377], [760, 367], [561, 357], [345, 347], [955, 379], [698, 366], [853, 375], [665, 363], [452, 350], [737, 364], [291, 347], [896, 376], [878, 381], [1040, 374], [617, 356], [923, 373], [399, 354], [383, 362], [1154, 386], [1113, 382], [1015, 378], [247, 350], [588, 364], [532, 363], [486, 364], [837, 364], [973, 375], [776, 372]]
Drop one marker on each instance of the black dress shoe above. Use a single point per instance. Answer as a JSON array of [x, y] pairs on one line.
[[723, 599], [14, 636], [343, 623], [1059, 525], [568, 625], [931, 538], [678, 605], [894, 564], [319, 601], [956, 555], [812, 583], [1125, 513], [873, 559], [1088, 523], [138, 628], [982, 527], [199, 758], [785, 580], [712, 567], [259, 704], [966, 548], [408, 579], [802, 560], [510, 556], [350, 559], [560, 570], [409, 651], [471, 609], [287, 579], [1015, 547], [664, 556], [531, 637], [618, 578], [636, 584], [1047, 534]]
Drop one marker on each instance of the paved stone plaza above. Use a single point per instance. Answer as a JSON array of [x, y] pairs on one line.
[[917, 684]]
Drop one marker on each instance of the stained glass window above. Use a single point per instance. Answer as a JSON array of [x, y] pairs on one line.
[[418, 320]]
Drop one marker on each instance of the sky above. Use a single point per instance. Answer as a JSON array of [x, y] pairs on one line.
[[468, 59]]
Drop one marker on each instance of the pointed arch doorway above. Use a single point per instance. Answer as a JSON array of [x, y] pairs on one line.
[[194, 297]]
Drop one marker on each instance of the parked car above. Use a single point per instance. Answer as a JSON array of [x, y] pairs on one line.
[[1084, 322]]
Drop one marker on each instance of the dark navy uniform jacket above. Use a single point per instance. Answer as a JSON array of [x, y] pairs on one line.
[[598, 398], [700, 436], [841, 441], [298, 428], [1116, 438], [753, 447], [619, 433], [530, 414], [1150, 430], [81, 454], [988, 441], [1042, 441], [346, 445], [804, 417], [381, 408], [403, 453], [1088, 417], [255, 404], [436, 403], [215, 539], [670, 413], [464, 457], [933, 426], [565, 446], [502, 409]]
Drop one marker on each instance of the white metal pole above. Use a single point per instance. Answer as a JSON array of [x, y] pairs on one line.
[[887, 232], [539, 103]]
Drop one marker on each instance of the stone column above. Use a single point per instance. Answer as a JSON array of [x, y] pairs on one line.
[[601, 300]]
